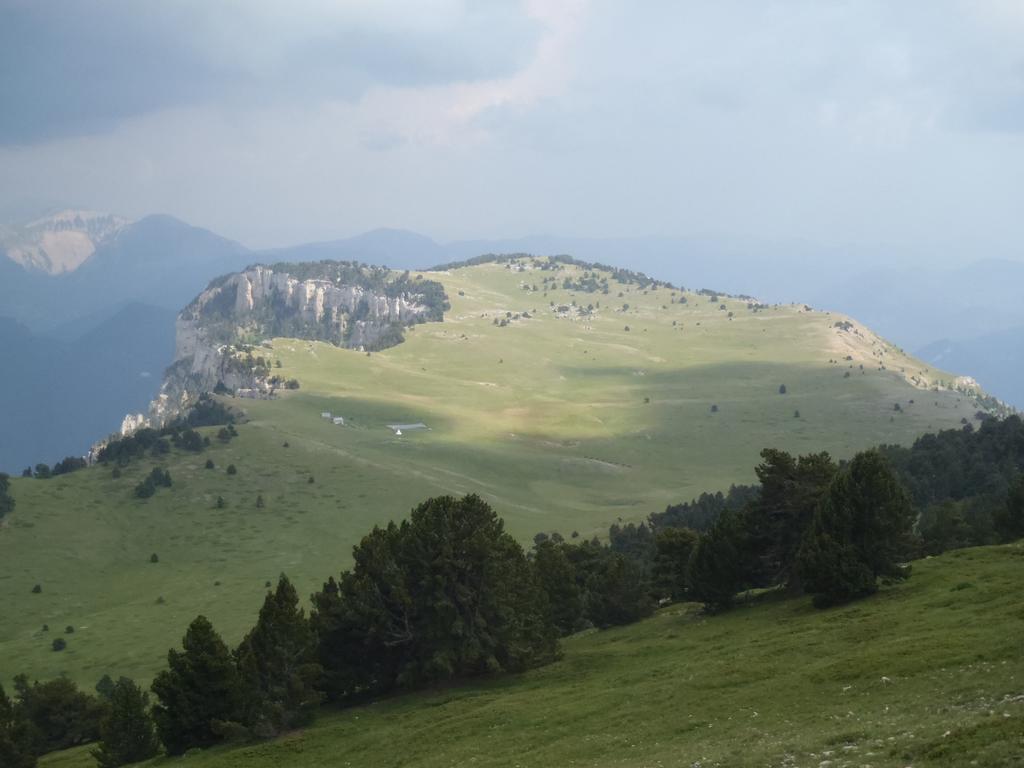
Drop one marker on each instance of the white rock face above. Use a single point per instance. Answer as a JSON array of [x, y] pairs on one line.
[[208, 329], [132, 422]]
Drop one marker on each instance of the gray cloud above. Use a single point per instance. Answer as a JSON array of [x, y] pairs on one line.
[[69, 67], [896, 125]]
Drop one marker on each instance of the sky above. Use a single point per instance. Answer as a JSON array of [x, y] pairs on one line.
[[841, 123]]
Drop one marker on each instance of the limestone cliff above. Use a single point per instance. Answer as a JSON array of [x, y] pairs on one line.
[[347, 304]]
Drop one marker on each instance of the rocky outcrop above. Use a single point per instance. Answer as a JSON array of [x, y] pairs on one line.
[[217, 335]]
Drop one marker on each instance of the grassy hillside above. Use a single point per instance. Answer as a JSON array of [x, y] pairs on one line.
[[561, 421], [926, 673]]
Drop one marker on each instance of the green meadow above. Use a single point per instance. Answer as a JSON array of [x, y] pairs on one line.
[[562, 421], [927, 673]]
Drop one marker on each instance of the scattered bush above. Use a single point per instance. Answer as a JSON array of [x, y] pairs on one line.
[[232, 469]]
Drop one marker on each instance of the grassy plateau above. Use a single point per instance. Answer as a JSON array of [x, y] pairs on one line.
[[563, 421]]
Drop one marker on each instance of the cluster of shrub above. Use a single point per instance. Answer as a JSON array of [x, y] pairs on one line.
[[626, 276], [181, 434], [43, 471], [157, 478]]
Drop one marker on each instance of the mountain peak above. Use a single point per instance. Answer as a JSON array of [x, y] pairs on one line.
[[61, 241]]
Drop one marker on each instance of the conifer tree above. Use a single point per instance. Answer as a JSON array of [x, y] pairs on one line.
[[15, 737], [197, 692], [860, 533], [446, 594], [557, 577], [126, 733], [714, 573], [673, 547], [277, 665], [1009, 520]]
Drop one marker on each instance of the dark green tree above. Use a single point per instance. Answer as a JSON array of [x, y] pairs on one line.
[[105, 687], [557, 577], [15, 736], [860, 533], [673, 549], [447, 594], [714, 573], [6, 500], [1008, 519], [126, 733], [60, 715], [617, 590], [278, 665], [198, 692], [944, 526], [774, 524]]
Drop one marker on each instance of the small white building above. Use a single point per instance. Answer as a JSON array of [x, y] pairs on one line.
[[339, 420], [325, 415]]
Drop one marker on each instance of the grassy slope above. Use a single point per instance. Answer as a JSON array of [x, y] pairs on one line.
[[545, 418], [771, 684]]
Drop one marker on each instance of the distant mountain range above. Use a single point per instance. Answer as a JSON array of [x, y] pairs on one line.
[[71, 281]]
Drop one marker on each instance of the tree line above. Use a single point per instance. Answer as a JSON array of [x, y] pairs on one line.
[[448, 594]]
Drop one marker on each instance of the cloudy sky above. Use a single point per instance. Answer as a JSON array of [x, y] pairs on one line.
[[832, 122]]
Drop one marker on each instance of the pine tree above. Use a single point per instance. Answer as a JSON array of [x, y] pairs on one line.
[[447, 594], [673, 547], [198, 691], [126, 734], [860, 533], [557, 577], [1009, 520], [775, 523], [278, 667], [15, 736], [714, 572]]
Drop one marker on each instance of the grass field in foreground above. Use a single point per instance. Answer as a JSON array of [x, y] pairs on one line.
[[562, 422], [926, 673]]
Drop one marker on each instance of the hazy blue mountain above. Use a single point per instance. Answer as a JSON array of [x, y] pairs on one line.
[[996, 360], [59, 397], [395, 248]]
